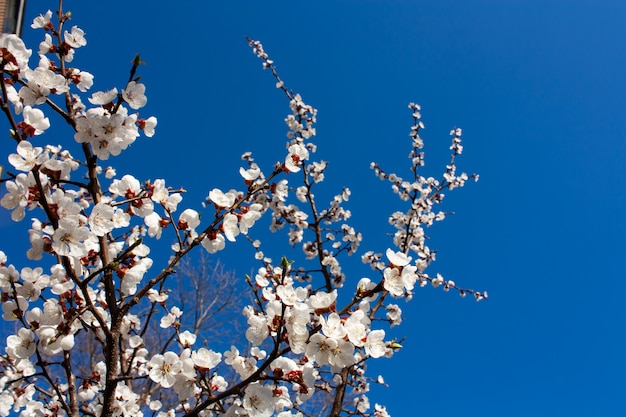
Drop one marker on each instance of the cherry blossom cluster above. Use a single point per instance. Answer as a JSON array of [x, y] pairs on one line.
[[423, 194], [311, 327]]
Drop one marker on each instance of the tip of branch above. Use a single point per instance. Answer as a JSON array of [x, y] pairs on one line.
[[284, 262], [137, 61]]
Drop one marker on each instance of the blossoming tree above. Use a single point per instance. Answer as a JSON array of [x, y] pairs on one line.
[[310, 328]]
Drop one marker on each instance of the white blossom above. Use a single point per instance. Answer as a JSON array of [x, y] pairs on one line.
[[206, 359], [221, 199], [15, 45], [75, 38], [374, 345], [27, 156], [41, 21], [258, 401], [35, 118], [297, 154], [164, 368], [23, 344], [134, 95]]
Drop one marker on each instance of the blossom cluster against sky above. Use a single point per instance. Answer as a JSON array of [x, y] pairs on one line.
[[539, 91]]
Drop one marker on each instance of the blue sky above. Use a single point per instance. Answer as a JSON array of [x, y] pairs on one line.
[[538, 88]]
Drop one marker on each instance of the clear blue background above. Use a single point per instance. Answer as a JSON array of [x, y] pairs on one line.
[[538, 88]]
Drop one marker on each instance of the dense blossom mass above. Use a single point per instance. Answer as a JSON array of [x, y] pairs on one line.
[[310, 328]]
